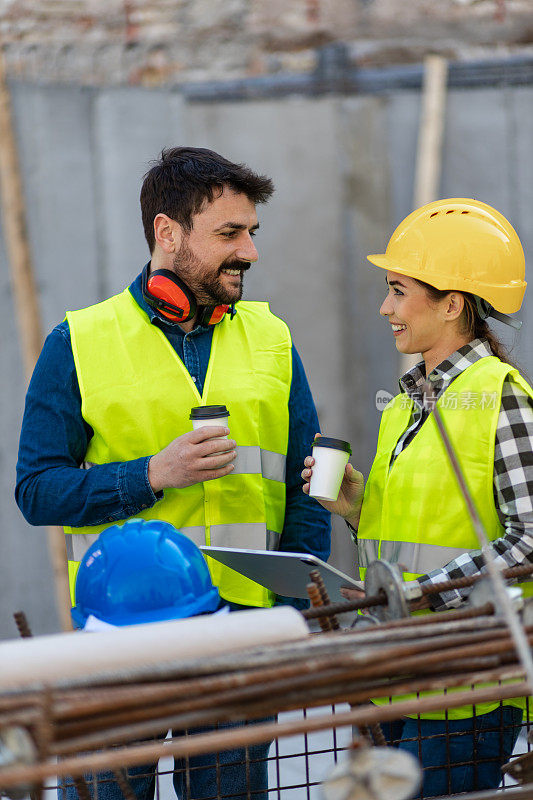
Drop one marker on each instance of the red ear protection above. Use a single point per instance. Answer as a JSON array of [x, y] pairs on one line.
[[211, 315], [169, 295], [164, 291]]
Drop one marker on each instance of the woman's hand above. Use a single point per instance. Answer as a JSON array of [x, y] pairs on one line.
[[352, 594], [348, 503]]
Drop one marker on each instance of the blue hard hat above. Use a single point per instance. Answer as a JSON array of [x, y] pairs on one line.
[[142, 571]]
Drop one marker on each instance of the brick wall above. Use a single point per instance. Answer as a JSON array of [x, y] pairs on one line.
[[165, 42]]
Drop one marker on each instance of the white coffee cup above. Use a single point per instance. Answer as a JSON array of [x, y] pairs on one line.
[[212, 416], [331, 457]]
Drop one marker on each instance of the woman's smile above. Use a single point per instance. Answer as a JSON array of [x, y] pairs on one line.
[[398, 329]]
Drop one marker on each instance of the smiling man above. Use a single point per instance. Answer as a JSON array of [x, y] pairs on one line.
[[106, 433]]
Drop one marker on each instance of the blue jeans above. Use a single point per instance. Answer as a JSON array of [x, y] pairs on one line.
[[232, 774], [103, 785], [460, 755]]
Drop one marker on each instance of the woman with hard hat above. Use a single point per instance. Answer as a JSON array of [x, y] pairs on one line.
[[450, 265]]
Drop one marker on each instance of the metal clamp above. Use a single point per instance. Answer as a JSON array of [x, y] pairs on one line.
[[483, 592], [374, 773], [412, 590], [387, 578], [16, 750]]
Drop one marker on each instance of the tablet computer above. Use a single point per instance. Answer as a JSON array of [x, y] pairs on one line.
[[283, 573]]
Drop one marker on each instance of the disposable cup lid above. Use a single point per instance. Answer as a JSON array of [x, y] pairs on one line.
[[333, 444], [208, 412]]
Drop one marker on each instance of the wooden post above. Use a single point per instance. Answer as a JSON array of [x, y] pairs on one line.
[[429, 150], [26, 303], [429, 156]]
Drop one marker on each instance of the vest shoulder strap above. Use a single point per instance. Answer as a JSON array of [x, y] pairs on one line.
[[258, 312]]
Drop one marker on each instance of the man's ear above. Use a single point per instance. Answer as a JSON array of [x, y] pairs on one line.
[[455, 303], [167, 233]]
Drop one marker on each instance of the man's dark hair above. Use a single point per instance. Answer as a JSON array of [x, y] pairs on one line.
[[185, 178]]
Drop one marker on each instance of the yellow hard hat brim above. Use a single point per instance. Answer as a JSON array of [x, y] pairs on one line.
[[507, 298]]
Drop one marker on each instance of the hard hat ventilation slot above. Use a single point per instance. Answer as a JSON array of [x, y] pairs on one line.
[[434, 214], [451, 211], [465, 212]]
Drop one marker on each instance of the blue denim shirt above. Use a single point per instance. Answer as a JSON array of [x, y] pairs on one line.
[[52, 489]]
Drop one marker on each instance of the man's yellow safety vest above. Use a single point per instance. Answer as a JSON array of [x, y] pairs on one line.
[[137, 394], [413, 513]]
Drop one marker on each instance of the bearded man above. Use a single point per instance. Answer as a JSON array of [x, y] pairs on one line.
[[107, 434]]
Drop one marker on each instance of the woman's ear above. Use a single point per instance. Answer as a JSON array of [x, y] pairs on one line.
[[454, 304]]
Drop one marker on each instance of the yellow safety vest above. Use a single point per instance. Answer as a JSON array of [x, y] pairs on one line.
[[137, 394], [413, 513]]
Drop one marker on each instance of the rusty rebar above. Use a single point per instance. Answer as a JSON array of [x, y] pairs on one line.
[[80, 784], [465, 582], [42, 734], [364, 731], [377, 735], [311, 671], [124, 784], [85, 686], [444, 652], [316, 602], [316, 577], [255, 701], [339, 652], [138, 754], [22, 624], [91, 702]]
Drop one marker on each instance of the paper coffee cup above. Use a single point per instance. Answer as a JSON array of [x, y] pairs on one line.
[[331, 457], [213, 416]]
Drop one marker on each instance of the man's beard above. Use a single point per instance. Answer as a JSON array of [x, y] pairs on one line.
[[207, 287]]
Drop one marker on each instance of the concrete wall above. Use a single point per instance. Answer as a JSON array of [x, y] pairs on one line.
[[343, 170]]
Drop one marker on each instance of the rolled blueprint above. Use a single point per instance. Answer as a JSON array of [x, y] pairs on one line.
[[66, 656]]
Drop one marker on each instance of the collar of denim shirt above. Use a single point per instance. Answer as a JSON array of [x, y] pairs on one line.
[[193, 348]]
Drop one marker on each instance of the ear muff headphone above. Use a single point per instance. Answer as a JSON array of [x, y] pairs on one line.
[[165, 292]]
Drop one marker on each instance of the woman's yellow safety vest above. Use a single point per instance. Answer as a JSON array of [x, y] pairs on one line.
[[137, 394], [413, 513]]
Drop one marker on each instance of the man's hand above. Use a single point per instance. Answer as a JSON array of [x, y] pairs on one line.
[[197, 456]]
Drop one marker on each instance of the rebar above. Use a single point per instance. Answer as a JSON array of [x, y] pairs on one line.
[[465, 582], [316, 577], [138, 754], [101, 717], [377, 667], [124, 785], [22, 624], [316, 601], [82, 789]]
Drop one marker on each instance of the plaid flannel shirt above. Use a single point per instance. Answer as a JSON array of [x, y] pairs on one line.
[[513, 469]]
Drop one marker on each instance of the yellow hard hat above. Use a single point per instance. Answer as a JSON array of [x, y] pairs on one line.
[[460, 244]]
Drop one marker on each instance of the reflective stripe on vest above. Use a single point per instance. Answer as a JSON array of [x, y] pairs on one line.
[[137, 395], [251, 536], [255, 460], [250, 460], [413, 556]]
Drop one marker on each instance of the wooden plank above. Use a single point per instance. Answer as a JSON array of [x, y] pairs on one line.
[[26, 303], [429, 149], [429, 155]]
